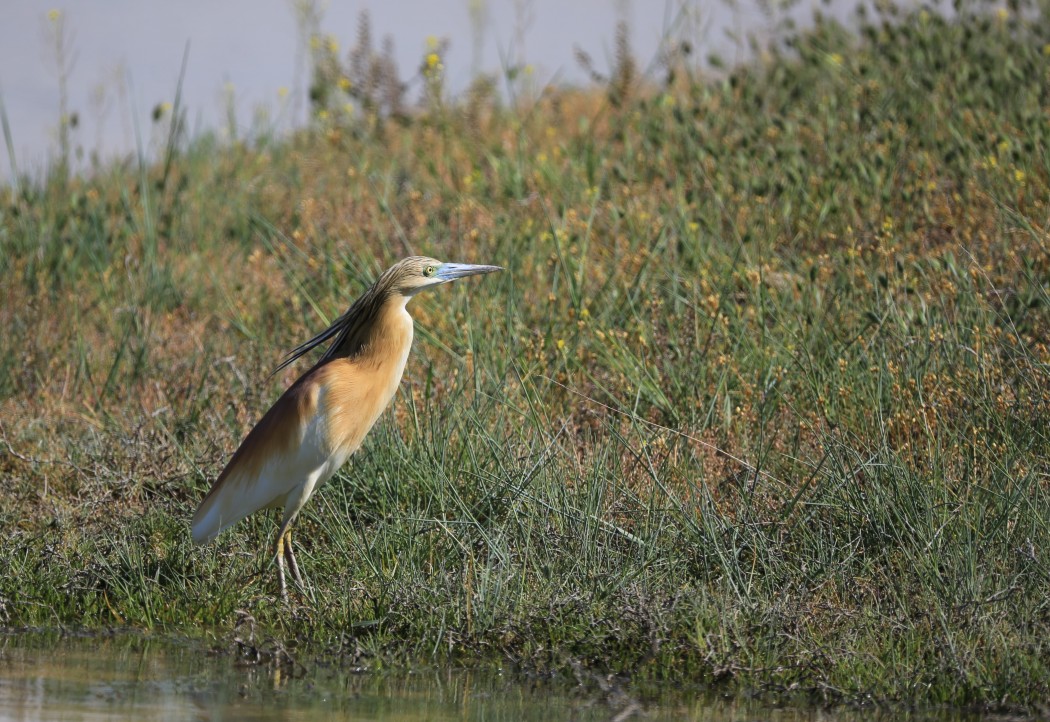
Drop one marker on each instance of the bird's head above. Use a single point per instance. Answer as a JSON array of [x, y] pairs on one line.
[[413, 274]]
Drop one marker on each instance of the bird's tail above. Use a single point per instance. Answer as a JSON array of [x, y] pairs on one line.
[[204, 526], [213, 517]]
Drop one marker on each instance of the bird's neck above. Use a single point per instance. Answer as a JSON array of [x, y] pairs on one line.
[[389, 336]]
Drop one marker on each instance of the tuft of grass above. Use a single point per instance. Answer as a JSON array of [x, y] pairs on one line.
[[760, 403]]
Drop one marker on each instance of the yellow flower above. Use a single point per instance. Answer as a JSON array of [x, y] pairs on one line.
[[282, 92], [432, 60], [432, 42], [1003, 14], [561, 344], [836, 59], [54, 15], [1019, 176], [344, 83]]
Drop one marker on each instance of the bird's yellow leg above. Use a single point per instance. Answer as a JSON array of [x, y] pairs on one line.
[[279, 551], [291, 558]]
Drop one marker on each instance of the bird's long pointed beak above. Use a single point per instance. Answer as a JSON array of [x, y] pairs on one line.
[[452, 271]]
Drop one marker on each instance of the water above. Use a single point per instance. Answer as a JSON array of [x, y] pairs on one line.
[[130, 677]]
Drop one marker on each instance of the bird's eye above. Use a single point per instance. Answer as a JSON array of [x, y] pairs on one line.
[[429, 271]]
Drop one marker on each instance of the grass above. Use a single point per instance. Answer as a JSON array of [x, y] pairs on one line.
[[760, 403]]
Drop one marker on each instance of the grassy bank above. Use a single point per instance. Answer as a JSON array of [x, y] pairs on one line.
[[760, 402]]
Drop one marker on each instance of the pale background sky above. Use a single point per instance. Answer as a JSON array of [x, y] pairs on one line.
[[127, 54]]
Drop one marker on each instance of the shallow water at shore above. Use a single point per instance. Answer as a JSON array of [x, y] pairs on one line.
[[125, 677]]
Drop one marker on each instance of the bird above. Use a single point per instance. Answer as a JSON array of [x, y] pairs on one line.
[[324, 416]]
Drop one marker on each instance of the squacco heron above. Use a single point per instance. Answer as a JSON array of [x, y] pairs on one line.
[[324, 416]]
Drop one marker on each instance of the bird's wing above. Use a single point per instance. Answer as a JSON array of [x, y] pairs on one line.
[[283, 455]]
